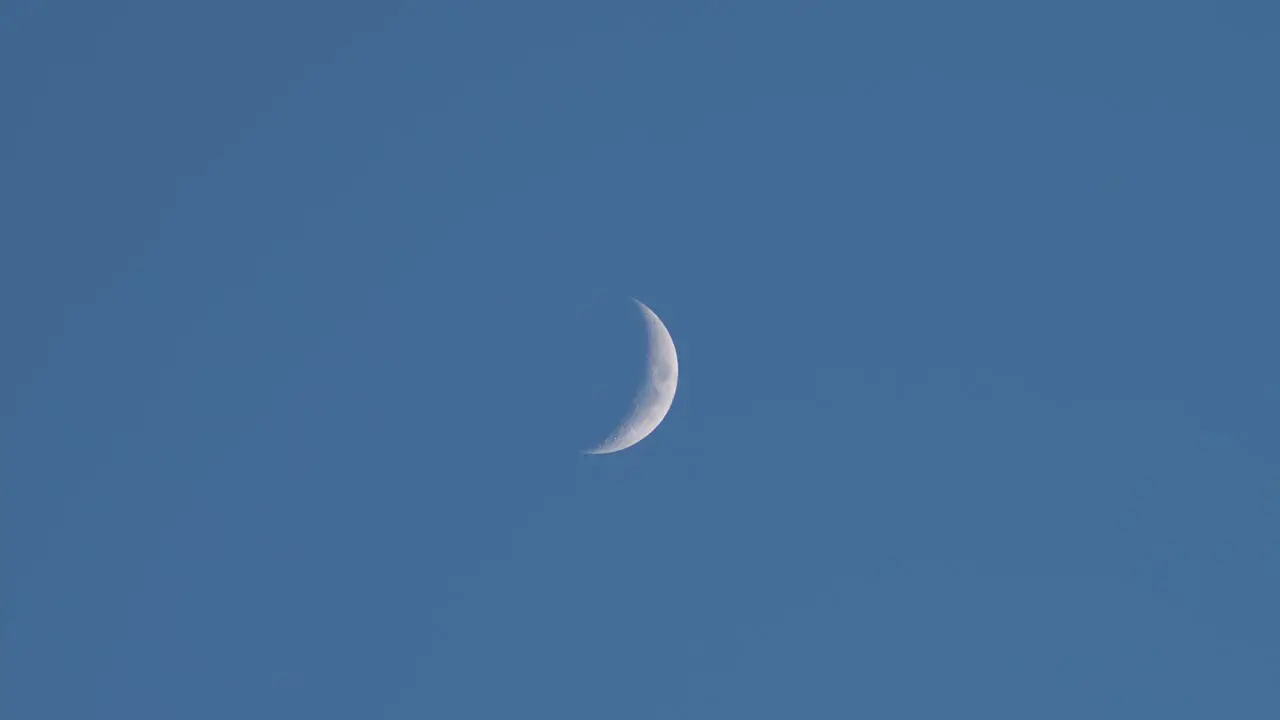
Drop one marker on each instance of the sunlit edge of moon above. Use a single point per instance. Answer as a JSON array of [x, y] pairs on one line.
[[653, 400]]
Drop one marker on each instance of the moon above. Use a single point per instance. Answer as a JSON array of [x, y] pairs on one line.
[[654, 398]]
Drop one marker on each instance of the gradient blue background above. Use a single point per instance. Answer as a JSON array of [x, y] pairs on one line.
[[308, 308]]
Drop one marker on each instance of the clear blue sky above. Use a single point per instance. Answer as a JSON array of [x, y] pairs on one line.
[[309, 308]]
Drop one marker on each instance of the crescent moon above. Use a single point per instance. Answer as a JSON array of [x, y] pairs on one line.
[[654, 398]]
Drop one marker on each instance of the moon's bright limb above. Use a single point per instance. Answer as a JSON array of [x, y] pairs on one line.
[[654, 397]]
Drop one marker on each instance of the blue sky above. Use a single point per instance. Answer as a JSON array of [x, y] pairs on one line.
[[310, 308]]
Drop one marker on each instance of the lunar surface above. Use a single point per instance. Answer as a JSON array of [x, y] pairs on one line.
[[654, 398]]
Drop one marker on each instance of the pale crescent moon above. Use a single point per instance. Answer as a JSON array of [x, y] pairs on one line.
[[654, 397]]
